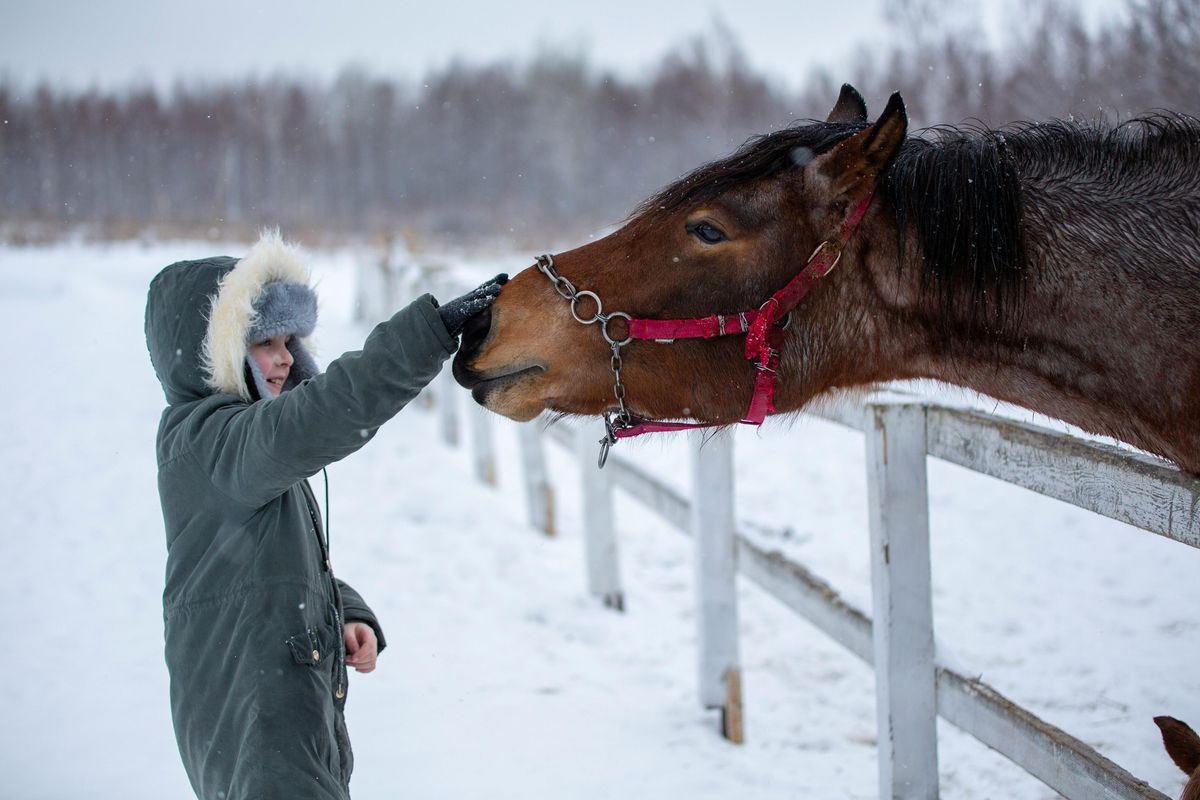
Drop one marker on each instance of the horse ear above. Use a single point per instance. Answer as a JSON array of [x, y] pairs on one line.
[[1181, 742], [853, 165], [849, 108]]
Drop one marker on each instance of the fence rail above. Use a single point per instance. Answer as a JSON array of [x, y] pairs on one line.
[[912, 688]]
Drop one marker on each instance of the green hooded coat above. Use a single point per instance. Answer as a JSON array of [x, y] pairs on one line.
[[253, 614]]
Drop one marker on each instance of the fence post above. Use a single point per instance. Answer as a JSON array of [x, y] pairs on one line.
[[600, 540], [446, 397], [905, 678], [484, 454], [366, 290], [539, 494], [714, 542]]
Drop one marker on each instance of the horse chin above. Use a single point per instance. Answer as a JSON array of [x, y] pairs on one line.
[[517, 412], [513, 395], [525, 400]]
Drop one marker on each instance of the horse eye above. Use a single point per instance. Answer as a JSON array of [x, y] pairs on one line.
[[708, 233]]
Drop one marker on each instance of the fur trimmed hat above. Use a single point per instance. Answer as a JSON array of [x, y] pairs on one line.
[[283, 308], [268, 293]]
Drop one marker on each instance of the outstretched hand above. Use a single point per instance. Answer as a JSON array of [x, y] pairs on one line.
[[456, 312], [362, 648]]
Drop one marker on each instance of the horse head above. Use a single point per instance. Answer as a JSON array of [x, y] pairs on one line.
[[719, 241]]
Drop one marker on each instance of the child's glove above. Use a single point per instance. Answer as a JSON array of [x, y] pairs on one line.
[[456, 312]]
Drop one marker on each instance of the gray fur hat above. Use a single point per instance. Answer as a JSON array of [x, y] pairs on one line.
[[283, 308]]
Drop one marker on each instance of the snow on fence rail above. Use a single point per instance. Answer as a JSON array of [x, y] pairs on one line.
[[912, 689]]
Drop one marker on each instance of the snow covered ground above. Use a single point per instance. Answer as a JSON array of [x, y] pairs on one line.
[[503, 678]]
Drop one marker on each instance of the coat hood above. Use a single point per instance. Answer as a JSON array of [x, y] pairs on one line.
[[199, 315]]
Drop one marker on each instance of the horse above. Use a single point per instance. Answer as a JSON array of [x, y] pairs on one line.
[[1053, 265], [1183, 745]]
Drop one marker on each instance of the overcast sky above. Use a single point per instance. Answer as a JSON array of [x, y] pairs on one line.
[[114, 42]]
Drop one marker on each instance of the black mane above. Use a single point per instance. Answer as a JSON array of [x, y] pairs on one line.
[[958, 189]]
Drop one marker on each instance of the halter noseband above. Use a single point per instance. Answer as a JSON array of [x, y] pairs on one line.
[[763, 326]]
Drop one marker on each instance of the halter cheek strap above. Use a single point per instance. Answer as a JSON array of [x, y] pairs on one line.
[[764, 328]]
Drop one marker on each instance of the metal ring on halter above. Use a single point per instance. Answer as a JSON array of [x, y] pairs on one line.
[[783, 323], [836, 259], [604, 329], [599, 307]]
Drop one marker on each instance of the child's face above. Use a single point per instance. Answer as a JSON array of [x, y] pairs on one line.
[[274, 361]]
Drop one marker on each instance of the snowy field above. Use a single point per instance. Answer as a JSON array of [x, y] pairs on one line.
[[503, 679]]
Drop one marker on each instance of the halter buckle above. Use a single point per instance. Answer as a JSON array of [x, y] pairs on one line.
[[834, 243]]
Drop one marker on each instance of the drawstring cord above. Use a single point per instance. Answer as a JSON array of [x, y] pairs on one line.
[[342, 671], [325, 475]]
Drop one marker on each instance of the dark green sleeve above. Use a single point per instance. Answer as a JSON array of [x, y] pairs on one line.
[[255, 452], [355, 609]]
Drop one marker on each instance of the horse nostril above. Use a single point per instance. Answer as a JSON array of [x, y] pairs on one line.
[[475, 332]]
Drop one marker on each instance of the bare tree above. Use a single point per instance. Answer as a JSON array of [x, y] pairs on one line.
[[546, 148]]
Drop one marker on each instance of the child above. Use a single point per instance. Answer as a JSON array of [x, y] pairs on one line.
[[259, 633]]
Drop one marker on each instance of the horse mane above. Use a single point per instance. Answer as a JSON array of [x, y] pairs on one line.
[[1155, 153], [959, 190]]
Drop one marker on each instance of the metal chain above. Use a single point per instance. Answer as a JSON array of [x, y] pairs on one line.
[[568, 291]]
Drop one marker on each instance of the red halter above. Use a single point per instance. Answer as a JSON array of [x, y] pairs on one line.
[[764, 333]]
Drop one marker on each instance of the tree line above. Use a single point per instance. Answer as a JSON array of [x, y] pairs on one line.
[[547, 147]]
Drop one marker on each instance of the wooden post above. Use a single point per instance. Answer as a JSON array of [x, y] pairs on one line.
[[715, 547], [484, 454], [600, 540], [905, 678], [539, 494], [447, 402], [366, 277]]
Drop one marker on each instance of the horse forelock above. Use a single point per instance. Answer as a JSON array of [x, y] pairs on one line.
[[759, 157]]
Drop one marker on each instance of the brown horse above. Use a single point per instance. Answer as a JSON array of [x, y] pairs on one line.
[[1052, 265], [1183, 745]]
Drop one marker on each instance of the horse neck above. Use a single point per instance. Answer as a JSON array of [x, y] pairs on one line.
[[1104, 336]]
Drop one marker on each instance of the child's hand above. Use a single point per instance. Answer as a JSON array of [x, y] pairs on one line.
[[455, 313], [362, 648]]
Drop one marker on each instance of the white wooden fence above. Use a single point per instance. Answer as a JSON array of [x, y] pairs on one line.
[[912, 688]]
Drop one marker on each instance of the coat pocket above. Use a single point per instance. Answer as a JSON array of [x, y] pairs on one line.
[[307, 648]]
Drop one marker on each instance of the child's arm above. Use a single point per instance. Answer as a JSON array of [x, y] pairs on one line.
[[264, 448], [364, 637]]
